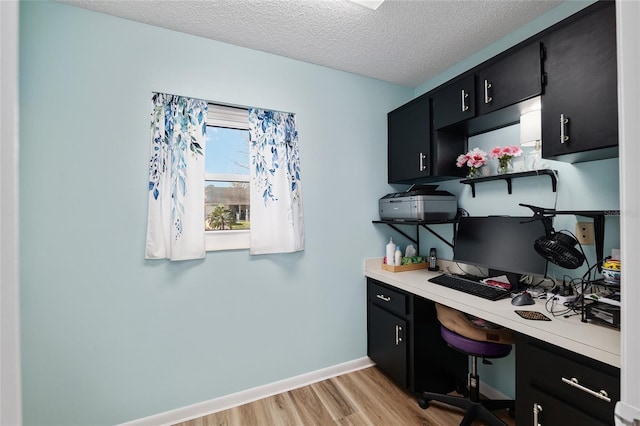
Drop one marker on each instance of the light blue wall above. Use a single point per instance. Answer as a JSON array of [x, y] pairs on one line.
[[108, 337]]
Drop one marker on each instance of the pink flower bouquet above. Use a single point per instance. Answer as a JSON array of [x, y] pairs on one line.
[[505, 155], [473, 159]]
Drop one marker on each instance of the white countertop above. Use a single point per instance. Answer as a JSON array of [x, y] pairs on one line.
[[592, 340]]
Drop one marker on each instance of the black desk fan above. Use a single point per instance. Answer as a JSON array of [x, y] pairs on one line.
[[557, 247]]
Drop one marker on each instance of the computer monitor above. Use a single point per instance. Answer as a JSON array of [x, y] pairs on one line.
[[502, 244]]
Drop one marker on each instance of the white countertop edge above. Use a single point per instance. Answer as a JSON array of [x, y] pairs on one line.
[[594, 341]]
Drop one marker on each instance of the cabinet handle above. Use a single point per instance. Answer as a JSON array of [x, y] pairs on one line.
[[487, 86], [422, 165], [398, 336], [563, 128], [537, 409], [602, 394], [465, 95], [383, 297]]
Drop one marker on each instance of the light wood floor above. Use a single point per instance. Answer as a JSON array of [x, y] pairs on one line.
[[363, 397]]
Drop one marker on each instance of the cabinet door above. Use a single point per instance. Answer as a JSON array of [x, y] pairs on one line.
[[511, 80], [567, 385], [580, 107], [387, 344], [409, 155], [454, 103], [542, 409]]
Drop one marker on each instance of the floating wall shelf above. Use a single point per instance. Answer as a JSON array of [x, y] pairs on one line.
[[553, 174]]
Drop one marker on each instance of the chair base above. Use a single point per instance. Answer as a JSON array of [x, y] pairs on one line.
[[481, 410]]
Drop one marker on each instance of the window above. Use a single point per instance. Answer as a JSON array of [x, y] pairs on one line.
[[227, 205]]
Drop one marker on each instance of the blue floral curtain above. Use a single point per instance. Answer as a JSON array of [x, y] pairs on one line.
[[276, 196], [175, 225]]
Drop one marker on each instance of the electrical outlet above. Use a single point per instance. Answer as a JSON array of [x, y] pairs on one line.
[[584, 232]]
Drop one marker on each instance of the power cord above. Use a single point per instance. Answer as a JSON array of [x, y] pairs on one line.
[[481, 273]]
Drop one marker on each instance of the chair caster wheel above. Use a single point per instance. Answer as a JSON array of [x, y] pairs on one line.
[[423, 403]]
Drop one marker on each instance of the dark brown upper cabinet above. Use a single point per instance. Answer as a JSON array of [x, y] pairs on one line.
[[454, 103], [580, 103], [415, 154], [570, 66], [510, 80], [409, 141], [467, 103]]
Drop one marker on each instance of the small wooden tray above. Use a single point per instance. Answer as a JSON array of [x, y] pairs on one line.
[[402, 268]]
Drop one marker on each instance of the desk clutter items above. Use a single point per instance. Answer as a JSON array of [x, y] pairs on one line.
[[407, 264], [500, 281], [532, 315], [604, 313], [611, 269], [603, 307], [390, 250], [394, 261], [433, 259]]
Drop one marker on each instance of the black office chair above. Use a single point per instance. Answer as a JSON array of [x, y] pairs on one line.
[[495, 347]]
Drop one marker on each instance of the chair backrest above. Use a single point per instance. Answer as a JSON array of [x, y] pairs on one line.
[[473, 328]]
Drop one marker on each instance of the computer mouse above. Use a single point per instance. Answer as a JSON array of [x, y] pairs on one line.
[[523, 299]]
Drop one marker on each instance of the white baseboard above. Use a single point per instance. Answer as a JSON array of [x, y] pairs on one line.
[[235, 399]]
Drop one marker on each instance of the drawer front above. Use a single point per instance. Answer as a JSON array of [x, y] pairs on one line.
[[392, 300], [579, 382], [542, 409]]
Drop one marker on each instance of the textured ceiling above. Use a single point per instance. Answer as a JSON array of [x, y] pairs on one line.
[[406, 42]]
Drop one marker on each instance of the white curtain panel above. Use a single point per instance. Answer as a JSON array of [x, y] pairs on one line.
[[276, 198], [175, 226]]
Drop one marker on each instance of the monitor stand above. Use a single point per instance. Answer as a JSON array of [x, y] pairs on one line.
[[514, 279]]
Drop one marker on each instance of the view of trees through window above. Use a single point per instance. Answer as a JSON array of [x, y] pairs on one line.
[[227, 205]]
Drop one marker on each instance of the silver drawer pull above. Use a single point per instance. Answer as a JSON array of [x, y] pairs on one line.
[[465, 107], [383, 297], [398, 336], [537, 409], [421, 158], [603, 395], [563, 128], [487, 98]]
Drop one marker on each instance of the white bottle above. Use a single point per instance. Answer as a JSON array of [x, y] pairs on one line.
[[398, 257], [391, 248]]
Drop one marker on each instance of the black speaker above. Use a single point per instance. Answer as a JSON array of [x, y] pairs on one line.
[[559, 248]]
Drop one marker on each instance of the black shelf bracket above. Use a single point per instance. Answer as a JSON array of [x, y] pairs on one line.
[[424, 224], [553, 174]]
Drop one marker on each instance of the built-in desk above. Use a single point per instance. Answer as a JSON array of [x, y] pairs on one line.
[[564, 366], [594, 341]]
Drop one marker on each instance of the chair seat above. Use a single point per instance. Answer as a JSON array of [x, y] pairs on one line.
[[477, 348], [471, 403]]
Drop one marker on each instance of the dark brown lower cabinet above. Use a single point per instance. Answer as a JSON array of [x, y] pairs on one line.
[[388, 343], [403, 339], [555, 386]]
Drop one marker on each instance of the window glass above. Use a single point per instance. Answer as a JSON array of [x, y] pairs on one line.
[[227, 151], [227, 205]]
